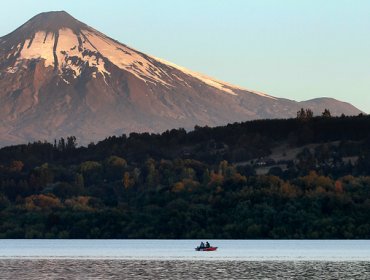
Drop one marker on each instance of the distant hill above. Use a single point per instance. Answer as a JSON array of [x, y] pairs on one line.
[[336, 107]]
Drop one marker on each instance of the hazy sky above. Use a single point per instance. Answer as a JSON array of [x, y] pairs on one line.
[[297, 49]]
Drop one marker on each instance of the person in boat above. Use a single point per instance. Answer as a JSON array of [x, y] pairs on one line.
[[207, 245], [202, 245]]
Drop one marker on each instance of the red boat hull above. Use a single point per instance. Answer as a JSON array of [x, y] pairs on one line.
[[206, 249]]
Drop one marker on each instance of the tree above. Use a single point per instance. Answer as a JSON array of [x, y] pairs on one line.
[[71, 143], [61, 144], [16, 166], [42, 202], [79, 181], [301, 114], [309, 113], [326, 113], [41, 177], [127, 181], [91, 171], [222, 167], [115, 161], [64, 190], [114, 167], [89, 166], [304, 114], [206, 177], [152, 174]]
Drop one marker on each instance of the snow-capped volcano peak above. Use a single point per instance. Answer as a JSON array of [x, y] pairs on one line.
[[60, 77], [71, 47], [50, 22]]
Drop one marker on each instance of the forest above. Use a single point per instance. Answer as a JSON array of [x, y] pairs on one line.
[[305, 177]]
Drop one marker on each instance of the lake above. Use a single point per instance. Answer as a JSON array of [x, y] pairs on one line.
[[177, 259]]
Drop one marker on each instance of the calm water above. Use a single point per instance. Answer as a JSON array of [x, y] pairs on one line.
[[177, 259]]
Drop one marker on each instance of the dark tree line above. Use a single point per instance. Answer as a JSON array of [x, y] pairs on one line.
[[200, 184]]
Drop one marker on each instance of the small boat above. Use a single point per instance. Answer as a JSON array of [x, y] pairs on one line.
[[206, 249]]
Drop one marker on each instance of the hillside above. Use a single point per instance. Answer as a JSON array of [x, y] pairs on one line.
[[199, 184]]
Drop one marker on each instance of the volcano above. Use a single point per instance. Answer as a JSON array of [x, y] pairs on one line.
[[61, 77]]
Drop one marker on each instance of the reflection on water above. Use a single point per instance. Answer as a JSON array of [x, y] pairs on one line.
[[146, 269]]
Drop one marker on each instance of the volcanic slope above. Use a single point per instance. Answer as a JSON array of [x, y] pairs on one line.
[[61, 77]]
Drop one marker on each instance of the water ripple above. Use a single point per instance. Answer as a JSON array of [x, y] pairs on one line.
[[33, 269]]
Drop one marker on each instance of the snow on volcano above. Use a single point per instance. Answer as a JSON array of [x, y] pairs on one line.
[[72, 50], [61, 77]]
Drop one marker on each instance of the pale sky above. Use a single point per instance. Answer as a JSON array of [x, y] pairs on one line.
[[288, 48]]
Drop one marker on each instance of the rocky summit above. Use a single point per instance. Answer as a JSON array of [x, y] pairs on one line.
[[61, 77]]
